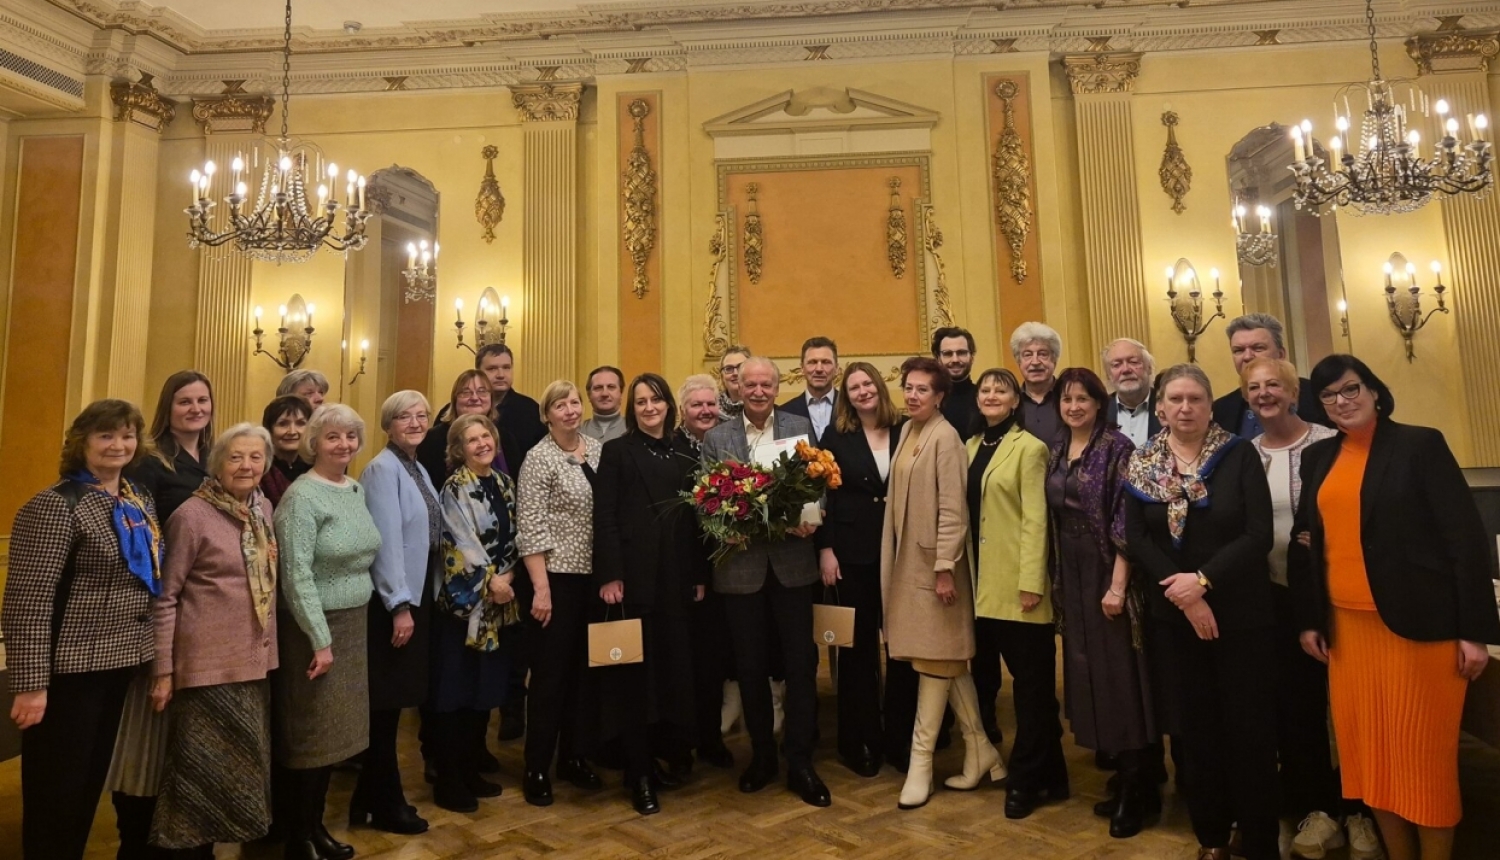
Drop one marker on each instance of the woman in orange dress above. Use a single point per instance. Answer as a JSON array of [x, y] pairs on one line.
[[1393, 593]]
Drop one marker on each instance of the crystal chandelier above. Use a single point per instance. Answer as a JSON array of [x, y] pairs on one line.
[[281, 224], [1382, 171], [421, 272], [1254, 247]]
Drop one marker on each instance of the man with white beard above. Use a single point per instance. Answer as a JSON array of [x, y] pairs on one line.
[[1130, 370]]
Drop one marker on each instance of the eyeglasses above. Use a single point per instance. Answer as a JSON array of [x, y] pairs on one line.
[[410, 418], [1348, 392], [733, 369], [954, 353]]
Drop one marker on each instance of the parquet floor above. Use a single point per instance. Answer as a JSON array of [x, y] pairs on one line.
[[710, 818]]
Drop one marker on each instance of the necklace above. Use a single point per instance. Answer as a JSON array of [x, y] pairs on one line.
[[985, 443]]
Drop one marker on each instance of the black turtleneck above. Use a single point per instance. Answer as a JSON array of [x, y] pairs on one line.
[[961, 407], [989, 443]]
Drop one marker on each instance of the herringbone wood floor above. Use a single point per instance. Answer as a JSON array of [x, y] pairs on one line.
[[710, 818]]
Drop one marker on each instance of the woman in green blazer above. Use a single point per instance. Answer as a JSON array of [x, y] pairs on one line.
[[1013, 607]]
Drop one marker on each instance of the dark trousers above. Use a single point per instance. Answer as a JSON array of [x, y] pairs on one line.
[[899, 709], [1030, 653], [64, 760], [753, 631], [1226, 690], [859, 723], [454, 735], [378, 788], [710, 667], [1308, 781], [559, 656]]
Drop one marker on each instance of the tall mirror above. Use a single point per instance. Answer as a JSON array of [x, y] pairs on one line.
[[1288, 258]]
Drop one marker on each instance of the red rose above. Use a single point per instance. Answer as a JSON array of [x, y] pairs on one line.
[[711, 506], [762, 479], [718, 479], [740, 471]]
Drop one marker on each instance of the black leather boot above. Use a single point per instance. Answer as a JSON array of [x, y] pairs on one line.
[[314, 799]]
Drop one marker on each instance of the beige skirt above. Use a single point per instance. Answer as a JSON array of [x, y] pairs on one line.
[[325, 720]]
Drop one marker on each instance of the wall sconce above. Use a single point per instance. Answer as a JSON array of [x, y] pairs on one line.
[[1188, 315], [1406, 311], [1256, 248], [421, 272], [488, 328], [364, 349], [294, 335]]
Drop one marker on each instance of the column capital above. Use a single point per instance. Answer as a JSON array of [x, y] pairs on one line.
[[1092, 74], [233, 112], [1453, 51], [547, 102], [140, 103]]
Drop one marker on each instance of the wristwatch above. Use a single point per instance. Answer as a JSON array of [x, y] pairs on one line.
[[1203, 581]]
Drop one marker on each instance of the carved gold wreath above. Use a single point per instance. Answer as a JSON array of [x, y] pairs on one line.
[[640, 200]]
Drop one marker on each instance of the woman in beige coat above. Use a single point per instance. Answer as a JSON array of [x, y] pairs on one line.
[[926, 584]]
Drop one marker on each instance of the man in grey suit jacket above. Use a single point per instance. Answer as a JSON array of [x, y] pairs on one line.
[[768, 591]]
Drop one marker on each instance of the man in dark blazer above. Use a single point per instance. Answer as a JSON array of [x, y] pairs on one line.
[[768, 592], [820, 367], [1250, 337], [1131, 371]]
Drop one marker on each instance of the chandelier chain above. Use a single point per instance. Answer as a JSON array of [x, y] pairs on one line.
[[1369, 24], [286, 69]]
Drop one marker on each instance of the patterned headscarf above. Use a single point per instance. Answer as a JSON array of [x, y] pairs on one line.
[[257, 541], [137, 529], [1153, 476]]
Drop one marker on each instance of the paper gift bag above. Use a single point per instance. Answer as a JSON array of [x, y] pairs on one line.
[[615, 643], [833, 625]]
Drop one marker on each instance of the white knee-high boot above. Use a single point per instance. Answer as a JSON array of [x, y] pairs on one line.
[[932, 700], [979, 754]]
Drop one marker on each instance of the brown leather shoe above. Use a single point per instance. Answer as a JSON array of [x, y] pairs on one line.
[[1213, 854]]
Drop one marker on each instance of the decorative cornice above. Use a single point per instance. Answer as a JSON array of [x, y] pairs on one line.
[[1091, 74], [547, 102], [1453, 51], [142, 104], [233, 112]]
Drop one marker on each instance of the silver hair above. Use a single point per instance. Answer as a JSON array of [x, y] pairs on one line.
[[325, 416], [1251, 322], [696, 382], [1031, 332], [295, 380], [1146, 355], [761, 361], [1184, 371], [398, 403], [220, 451]]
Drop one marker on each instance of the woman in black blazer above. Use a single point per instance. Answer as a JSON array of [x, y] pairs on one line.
[[862, 438], [1394, 593], [649, 556], [1198, 524]]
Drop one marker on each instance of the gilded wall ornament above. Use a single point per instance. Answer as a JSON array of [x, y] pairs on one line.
[[755, 239], [932, 240], [1176, 175], [715, 331], [547, 102], [141, 103], [1448, 51], [1092, 74], [640, 199], [233, 113], [1013, 210], [489, 206], [895, 230]]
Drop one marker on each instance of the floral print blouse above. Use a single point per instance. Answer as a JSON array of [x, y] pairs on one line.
[[555, 506]]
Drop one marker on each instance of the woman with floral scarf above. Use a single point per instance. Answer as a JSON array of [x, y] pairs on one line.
[[476, 611]]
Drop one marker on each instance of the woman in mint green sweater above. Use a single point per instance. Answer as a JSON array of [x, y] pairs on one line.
[[321, 696]]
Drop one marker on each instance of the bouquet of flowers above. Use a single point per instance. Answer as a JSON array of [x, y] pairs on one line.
[[739, 502]]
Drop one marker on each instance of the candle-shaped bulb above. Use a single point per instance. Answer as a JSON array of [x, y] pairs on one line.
[[426, 258], [411, 256], [1451, 126], [282, 310], [434, 252], [1410, 269], [1414, 137], [322, 193], [257, 314], [286, 163], [1343, 306], [458, 305], [1307, 127], [1342, 124], [1239, 211], [422, 244], [352, 176], [333, 172], [1437, 268], [1441, 107], [484, 306], [1214, 273], [1389, 268], [309, 316], [209, 168], [241, 189], [237, 164], [194, 177], [343, 345], [364, 347]]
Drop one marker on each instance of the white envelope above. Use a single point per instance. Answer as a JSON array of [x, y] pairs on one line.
[[767, 453]]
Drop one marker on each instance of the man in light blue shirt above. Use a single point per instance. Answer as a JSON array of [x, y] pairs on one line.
[[820, 367]]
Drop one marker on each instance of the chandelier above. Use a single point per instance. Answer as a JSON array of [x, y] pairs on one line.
[[421, 272], [1379, 168], [1254, 247], [281, 224]]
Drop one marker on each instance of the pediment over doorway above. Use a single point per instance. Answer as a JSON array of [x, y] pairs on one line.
[[821, 109]]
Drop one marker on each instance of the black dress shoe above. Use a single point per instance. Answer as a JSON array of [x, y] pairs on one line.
[[302, 849], [578, 772], [863, 762], [805, 782], [1020, 803], [1139, 806], [404, 821], [758, 775], [454, 797], [665, 779], [486, 762], [643, 797], [537, 788], [331, 848], [481, 787], [718, 756]]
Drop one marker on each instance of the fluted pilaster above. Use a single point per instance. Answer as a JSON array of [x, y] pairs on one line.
[[221, 347], [1107, 178], [548, 317], [128, 261]]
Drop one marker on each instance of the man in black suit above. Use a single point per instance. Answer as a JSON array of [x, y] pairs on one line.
[[1131, 369], [820, 367], [953, 347], [1250, 337]]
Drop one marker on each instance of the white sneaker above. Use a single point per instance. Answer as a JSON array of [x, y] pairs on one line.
[[1316, 835], [1364, 842]]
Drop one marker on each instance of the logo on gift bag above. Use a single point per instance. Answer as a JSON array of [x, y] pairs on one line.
[[615, 654], [829, 636]]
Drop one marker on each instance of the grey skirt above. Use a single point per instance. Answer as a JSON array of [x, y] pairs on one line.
[[327, 719], [216, 782]]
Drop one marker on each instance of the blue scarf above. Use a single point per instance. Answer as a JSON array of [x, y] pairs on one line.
[[140, 537]]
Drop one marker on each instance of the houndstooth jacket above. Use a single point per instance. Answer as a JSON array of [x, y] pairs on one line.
[[106, 622]]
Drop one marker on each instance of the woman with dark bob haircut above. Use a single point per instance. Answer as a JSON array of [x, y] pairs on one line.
[[85, 563], [1393, 592], [285, 418]]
